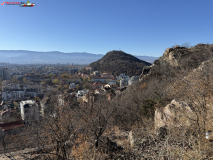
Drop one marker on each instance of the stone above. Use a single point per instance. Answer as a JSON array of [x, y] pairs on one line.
[[135, 135], [173, 115]]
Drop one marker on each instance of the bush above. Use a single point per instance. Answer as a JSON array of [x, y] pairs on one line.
[[148, 108]]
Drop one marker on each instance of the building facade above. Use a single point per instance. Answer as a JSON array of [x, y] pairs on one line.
[[29, 111]]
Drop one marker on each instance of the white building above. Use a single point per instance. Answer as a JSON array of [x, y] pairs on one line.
[[122, 76], [82, 92], [29, 111]]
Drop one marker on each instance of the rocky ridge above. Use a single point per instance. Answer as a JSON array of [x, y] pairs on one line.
[[178, 58]]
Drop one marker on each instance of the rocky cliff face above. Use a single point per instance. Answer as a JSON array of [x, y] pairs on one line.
[[178, 58]]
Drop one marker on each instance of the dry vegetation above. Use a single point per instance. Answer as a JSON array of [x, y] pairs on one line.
[[89, 131]]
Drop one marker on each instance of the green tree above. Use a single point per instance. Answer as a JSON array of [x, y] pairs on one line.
[[55, 81], [148, 108], [85, 79]]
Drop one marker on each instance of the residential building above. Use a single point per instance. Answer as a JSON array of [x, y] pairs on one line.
[[5, 74], [9, 94], [122, 76], [29, 111], [82, 92], [97, 85], [96, 73]]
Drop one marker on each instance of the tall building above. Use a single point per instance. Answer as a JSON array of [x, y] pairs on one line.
[[5, 74]]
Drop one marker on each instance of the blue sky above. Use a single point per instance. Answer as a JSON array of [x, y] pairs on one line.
[[137, 27]]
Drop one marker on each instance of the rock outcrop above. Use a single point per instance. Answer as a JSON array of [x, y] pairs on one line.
[[175, 114], [177, 58]]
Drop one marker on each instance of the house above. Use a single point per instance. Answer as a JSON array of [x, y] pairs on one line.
[[107, 86], [97, 85], [82, 92], [96, 73], [29, 111]]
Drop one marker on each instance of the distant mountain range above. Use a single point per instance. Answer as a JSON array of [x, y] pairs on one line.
[[53, 57]]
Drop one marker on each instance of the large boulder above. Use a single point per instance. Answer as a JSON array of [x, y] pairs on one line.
[[175, 114]]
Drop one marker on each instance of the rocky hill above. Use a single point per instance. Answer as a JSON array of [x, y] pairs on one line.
[[117, 62], [178, 59], [172, 76]]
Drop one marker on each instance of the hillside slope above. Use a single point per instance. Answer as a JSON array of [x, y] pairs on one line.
[[117, 62]]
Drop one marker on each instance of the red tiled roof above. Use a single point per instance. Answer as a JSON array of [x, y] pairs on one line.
[[11, 125]]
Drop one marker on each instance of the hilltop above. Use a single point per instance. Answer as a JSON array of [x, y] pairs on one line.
[[176, 60], [118, 62]]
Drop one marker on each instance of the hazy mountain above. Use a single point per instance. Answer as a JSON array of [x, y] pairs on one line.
[[27, 57]]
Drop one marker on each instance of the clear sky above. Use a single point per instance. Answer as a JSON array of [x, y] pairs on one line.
[[137, 27]]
